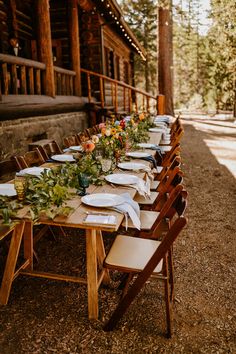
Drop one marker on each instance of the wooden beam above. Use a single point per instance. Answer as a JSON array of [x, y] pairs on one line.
[[14, 25], [45, 45], [75, 44]]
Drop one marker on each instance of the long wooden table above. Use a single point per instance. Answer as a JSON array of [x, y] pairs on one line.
[[95, 252]]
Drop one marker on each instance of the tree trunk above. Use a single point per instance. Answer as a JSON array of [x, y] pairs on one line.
[[165, 60]]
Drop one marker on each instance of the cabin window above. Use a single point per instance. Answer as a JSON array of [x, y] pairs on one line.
[[109, 63], [118, 68], [126, 72]]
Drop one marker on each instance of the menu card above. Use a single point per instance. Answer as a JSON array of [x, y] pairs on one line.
[[100, 219]]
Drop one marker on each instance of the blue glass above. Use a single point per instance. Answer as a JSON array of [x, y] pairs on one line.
[[83, 180]]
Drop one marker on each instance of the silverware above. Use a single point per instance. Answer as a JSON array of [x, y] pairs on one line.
[[97, 213]]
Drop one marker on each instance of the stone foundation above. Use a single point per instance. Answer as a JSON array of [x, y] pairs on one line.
[[15, 135]]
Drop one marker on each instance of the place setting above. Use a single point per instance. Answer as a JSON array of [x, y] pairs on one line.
[[123, 204], [128, 180]]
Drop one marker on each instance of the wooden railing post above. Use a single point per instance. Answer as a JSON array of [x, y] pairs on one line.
[[130, 101], [124, 98], [101, 85], [148, 106], [45, 45], [160, 104], [75, 45], [116, 98], [136, 102], [89, 88]]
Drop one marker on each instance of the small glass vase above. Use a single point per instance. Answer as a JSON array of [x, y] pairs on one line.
[[106, 164], [20, 187]]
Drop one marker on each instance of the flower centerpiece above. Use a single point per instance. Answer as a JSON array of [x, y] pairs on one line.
[[112, 139], [137, 127]]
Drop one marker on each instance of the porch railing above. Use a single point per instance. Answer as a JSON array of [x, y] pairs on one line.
[[20, 76], [64, 81], [27, 77], [121, 96]]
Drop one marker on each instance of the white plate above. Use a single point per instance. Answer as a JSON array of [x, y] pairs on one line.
[[132, 166], [33, 171], [63, 158], [157, 130], [147, 145], [76, 148], [123, 179], [7, 189], [138, 154], [104, 200]]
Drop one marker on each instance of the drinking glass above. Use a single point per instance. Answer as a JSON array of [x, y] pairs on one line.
[[106, 164], [83, 180]]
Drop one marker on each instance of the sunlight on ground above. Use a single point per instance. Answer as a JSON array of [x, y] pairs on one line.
[[221, 140]]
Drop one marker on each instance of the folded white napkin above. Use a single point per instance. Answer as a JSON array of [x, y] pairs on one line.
[[130, 208], [142, 186]]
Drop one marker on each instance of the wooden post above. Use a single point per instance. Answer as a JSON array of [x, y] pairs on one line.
[[75, 44], [160, 104], [45, 45], [101, 85]]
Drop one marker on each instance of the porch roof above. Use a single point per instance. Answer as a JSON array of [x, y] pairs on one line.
[[110, 9]]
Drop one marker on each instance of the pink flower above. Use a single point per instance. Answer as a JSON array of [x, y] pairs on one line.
[[102, 125]]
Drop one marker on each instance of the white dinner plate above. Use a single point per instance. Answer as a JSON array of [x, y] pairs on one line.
[[147, 145], [76, 148], [104, 200], [138, 154], [32, 171], [7, 189], [132, 166], [157, 130], [123, 179], [63, 158]]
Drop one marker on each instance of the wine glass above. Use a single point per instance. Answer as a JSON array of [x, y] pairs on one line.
[[83, 180]]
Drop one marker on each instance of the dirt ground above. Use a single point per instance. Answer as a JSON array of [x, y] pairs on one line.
[[51, 317]]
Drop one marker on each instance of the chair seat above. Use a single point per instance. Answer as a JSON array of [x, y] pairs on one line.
[[132, 254], [147, 219], [146, 201], [154, 184], [166, 148], [165, 142]]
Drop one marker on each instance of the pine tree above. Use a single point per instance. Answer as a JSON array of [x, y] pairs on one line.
[[141, 16]]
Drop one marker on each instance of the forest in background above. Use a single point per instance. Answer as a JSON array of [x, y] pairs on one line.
[[204, 64]]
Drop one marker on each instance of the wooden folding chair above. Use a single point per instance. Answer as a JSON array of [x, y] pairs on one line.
[[71, 140], [8, 168], [28, 159], [82, 137], [155, 224], [157, 199], [49, 149], [146, 258]]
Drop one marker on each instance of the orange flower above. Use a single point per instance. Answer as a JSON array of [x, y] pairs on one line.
[[141, 116], [103, 131], [88, 146]]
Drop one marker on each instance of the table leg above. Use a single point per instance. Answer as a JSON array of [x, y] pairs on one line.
[[28, 244], [92, 277], [101, 255], [9, 272]]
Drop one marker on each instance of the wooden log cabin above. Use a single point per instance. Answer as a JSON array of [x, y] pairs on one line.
[[66, 58]]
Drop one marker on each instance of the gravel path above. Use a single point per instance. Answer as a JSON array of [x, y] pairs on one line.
[[50, 317]]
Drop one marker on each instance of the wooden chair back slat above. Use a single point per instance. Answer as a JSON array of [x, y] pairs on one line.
[[30, 158], [8, 169]]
